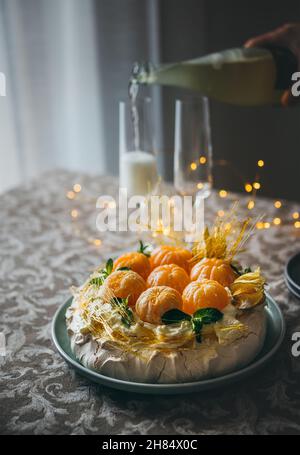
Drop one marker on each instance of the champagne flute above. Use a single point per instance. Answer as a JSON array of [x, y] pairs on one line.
[[193, 148], [138, 166]]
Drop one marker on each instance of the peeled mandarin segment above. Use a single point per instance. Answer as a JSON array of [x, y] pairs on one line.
[[169, 275], [213, 269], [137, 262], [167, 254], [123, 284], [204, 294], [155, 302]]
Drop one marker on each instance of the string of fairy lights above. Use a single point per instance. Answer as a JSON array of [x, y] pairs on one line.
[[74, 195], [250, 188]]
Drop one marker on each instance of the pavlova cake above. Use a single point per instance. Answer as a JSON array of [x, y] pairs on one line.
[[171, 314]]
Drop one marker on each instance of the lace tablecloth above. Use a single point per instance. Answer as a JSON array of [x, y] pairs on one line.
[[47, 244]]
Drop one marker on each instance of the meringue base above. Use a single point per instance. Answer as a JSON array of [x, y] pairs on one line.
[[204, 360]]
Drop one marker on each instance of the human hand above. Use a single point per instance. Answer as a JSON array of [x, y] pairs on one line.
[[287, 36]]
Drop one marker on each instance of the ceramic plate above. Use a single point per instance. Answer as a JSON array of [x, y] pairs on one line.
[[274, 337], [292, 272], [292, 289]]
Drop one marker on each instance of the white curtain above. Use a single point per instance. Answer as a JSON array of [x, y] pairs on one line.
[[67, 64], [51, 116], [10, 165]]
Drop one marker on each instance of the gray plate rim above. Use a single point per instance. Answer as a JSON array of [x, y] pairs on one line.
[[287, 274], [177, 388], [293, 291]]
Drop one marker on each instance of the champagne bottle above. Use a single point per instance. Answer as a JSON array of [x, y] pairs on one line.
[[250, 77]]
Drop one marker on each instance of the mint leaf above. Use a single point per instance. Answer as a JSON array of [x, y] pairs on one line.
[[128, 319], [204, 316], [174, 317], [207, 315], [235, 269], [199, 318], [97, 281], [123, 309], [197, 327], [117, 300], [143, 249], [109, 266]]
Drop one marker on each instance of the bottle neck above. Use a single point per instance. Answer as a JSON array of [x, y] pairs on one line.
[[143, 73]]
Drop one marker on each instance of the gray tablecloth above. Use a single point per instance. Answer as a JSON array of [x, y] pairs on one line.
[[43, 251]]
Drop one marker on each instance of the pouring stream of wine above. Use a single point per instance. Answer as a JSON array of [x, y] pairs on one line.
[[133, 90]]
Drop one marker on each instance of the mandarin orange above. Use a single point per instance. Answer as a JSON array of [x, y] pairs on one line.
[[123, 284], [155, 302], [204, 294], [169, 275], [214, 269], [138, 262], [167, 254]]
